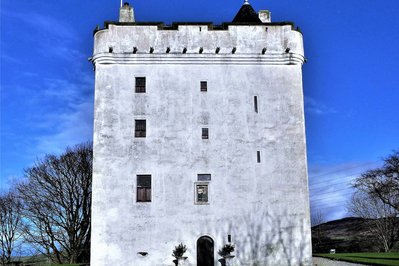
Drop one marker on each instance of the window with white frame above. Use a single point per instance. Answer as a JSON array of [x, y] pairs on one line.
[[202, 189], [201, 193]]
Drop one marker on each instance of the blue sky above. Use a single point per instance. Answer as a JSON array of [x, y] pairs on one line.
[[350, 80]]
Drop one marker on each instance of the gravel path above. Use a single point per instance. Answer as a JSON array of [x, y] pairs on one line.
[[327, 262]]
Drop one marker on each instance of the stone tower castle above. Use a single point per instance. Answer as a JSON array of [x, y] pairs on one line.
[[199, 138]]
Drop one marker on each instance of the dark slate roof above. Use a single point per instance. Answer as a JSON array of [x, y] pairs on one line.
[[247, 14]]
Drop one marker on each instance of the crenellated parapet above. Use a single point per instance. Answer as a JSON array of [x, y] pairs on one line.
[[188, 43]]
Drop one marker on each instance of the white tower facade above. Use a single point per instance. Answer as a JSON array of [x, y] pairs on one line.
[[199, 138]]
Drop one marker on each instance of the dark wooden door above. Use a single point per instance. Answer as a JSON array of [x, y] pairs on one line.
[[205, 251]]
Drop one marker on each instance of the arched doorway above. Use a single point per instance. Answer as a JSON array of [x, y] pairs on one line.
[[205, 251]]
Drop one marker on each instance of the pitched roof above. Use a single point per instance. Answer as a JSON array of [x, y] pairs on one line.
[[247, 14]]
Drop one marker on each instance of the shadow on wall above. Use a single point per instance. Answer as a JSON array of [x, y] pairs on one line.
[[264, 239]]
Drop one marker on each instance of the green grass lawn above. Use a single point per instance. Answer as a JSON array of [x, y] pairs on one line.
[[365, 258]]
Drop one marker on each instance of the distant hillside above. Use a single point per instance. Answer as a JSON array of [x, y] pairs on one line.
[[345, 235]]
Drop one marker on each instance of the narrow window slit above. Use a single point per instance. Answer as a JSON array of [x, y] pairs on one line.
[[258, 156], [205, 133], [256, 104], [204, 86]]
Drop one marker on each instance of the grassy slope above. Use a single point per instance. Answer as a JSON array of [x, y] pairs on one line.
[[367, 258], [346, 235]]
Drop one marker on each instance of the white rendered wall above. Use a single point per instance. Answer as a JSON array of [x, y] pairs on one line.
[[264, 206]]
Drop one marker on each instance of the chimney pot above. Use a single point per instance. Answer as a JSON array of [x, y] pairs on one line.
[[126, 13], [265, 16]]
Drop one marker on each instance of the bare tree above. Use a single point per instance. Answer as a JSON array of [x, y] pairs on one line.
[[56, 198], [318, 233], [381, 218], [317, 218], [382, 183], [10, 221]]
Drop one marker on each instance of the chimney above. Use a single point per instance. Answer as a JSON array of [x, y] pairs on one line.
[[126, 13], [265, 16]]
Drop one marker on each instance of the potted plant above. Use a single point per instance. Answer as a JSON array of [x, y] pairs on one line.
[[178, 253], [225, 252]]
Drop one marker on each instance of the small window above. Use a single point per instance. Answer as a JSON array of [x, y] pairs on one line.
[[204, 86], [140, 84], [258, 156], [256, 103], [205, 133], [140, 129], [201, 193], [204, 177], [143, 188]]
